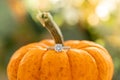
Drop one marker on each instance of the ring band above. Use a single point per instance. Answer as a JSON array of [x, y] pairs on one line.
[[59, 47]]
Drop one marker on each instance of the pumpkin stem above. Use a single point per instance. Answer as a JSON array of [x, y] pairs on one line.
[[47, 21]]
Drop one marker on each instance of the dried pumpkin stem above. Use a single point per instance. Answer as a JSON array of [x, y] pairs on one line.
[[47, 21]]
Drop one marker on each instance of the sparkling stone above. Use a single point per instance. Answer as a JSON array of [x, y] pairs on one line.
[[58, 47]]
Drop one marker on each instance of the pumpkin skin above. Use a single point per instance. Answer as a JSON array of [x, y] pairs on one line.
[[85, 60]]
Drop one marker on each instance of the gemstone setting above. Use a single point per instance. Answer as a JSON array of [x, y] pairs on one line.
[[58, 47]]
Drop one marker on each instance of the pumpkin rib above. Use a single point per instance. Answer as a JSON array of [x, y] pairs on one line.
[[70, 64], [104, 62], [80, 59], [41, 63], [30, 59], [15, 59], [55, 66]]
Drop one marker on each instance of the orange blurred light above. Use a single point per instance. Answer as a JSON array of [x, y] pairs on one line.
[[18, 9]]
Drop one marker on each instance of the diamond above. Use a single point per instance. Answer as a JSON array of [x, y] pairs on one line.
[[58, 47]]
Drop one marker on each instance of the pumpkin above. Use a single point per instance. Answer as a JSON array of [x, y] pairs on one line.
[[69, 60]]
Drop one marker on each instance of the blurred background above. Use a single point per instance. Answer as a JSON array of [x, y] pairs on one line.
[[95, 20]]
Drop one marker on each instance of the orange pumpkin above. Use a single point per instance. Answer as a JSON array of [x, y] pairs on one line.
[[84, 60]]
